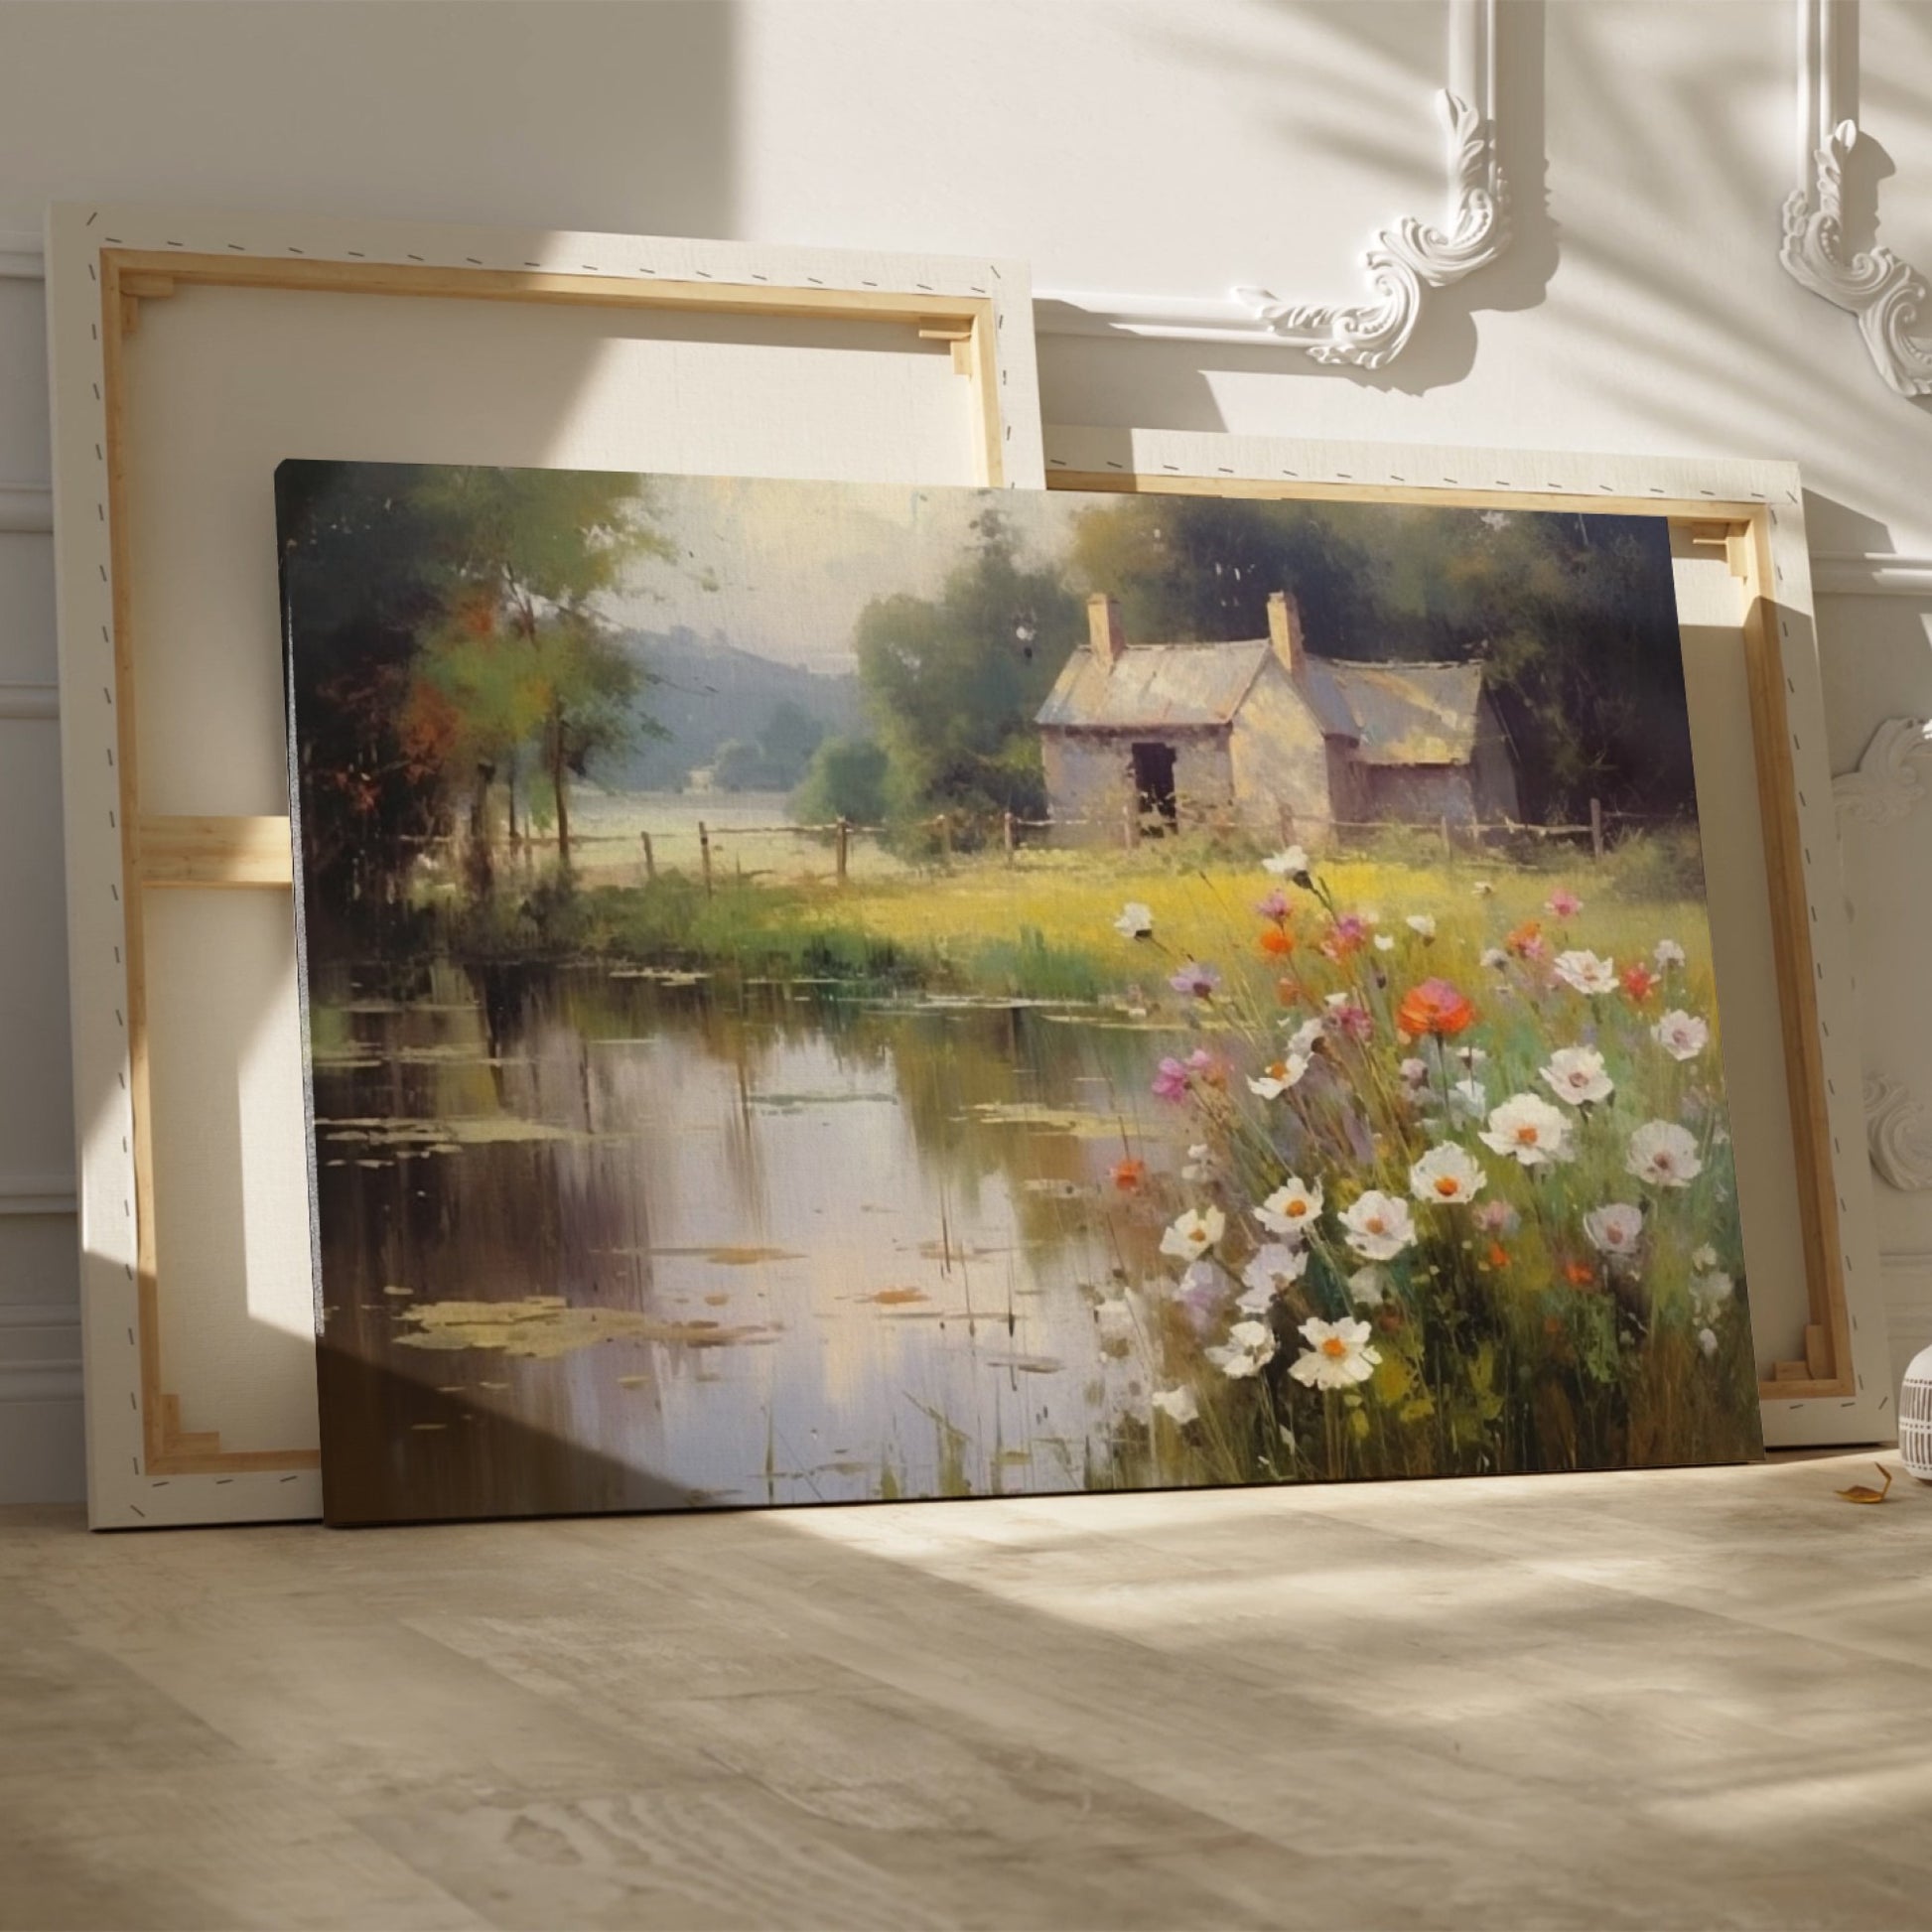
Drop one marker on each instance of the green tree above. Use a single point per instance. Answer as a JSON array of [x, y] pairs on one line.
[[952, 685], [1199, 569], [789, 737], [846, 779], [1573, 616], [526, 555]]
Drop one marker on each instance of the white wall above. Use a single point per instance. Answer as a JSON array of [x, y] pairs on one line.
[[1175, 146]]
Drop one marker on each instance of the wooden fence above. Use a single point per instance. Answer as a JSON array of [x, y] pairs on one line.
[[950, 832]]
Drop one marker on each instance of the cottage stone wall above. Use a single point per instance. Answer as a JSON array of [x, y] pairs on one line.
[[1280, 763]]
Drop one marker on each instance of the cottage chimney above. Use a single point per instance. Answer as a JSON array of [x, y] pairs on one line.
[[1105, 638], [1284, 631]]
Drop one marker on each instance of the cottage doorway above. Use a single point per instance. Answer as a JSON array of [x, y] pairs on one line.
[[1154, 786]]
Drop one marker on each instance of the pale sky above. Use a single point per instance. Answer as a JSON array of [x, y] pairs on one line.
[[795, 563]]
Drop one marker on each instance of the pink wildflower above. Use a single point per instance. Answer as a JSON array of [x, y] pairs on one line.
[[1196, 978], [1562, 903], [1170, 1080]]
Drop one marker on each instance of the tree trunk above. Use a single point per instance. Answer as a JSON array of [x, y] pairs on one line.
[[559, 782], [481, 863]]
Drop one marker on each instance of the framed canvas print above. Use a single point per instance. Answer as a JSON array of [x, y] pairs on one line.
[[827, 992], [192, 350]]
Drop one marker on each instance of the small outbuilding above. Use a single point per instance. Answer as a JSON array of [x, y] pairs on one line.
[[1265, 734]]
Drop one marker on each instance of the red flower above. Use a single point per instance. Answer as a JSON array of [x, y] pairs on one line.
[[1639, 982], [1127, 1175], [1277, 940], [1579, 1274], [1435, 1007]]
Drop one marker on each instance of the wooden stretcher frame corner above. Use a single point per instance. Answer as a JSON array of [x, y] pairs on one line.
[[1752, 513], [148, 1465]]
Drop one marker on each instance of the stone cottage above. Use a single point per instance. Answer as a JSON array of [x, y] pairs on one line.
[[1265, 732]]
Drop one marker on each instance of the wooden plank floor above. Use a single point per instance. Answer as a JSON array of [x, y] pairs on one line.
[[1674, 1699]]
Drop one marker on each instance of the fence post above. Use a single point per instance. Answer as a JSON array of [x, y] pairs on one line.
[[1449, 847], [839, 848], [650, 860], [704, 855], [1009, 837], [1596, 828]]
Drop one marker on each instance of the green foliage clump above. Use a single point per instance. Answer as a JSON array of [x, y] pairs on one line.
[[1573, 618], [953, 686], [846, 779], [776, 759]]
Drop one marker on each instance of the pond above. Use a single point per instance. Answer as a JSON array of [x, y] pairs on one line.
[[599, 1238]]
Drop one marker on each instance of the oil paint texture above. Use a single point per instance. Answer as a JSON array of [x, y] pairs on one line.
[[820, 992]]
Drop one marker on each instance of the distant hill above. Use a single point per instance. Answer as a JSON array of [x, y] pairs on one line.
[[707, 692]]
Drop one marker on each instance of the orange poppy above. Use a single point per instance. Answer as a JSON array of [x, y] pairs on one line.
[[1525, 938], [1277, 940], [1498, 1256], [1639, 982], [1579, 1274], [1435, 1007], [1127, 1175]]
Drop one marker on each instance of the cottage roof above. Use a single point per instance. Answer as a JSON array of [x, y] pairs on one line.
[[1396, 714], [1404, 713], [1153, 685]]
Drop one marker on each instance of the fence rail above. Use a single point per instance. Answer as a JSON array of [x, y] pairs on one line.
[[1131, 827]]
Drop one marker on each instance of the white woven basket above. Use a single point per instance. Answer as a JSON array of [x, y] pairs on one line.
[[1915, 1417]]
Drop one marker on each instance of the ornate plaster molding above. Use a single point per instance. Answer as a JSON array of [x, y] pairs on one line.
[[1887, 294], [1887, 784], [1898, 1132], [1406, 263]]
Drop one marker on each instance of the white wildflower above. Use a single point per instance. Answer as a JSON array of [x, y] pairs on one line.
[[1530, 1130], [1339, 1354], [1587, 972], [1576, 1074], [1664, 1155], [1379, 1225], [1683, 1035], [1614, 1228], [1447, 1175], [1194, 1233]]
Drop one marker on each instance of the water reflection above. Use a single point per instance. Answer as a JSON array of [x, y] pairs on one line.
[[607, 1240]]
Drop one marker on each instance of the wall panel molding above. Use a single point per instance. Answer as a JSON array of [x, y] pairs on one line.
[[27, 508], [38, 1193], [29, 701], [1406, 263], [1870, 573], [1887, 294], [39, 1351]]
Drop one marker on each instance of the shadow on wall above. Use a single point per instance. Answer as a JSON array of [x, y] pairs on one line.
[[1330, 106], [618, 118]]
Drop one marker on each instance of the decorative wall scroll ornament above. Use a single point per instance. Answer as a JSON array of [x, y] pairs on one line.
[[1409, 259], [1405, 262], [1888, 295], [1898, 1131], [1887, 784]]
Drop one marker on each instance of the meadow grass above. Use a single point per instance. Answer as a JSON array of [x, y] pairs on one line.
[[1503, 1335]]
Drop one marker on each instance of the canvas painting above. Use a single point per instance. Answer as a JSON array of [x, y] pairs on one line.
[[819, 992]]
